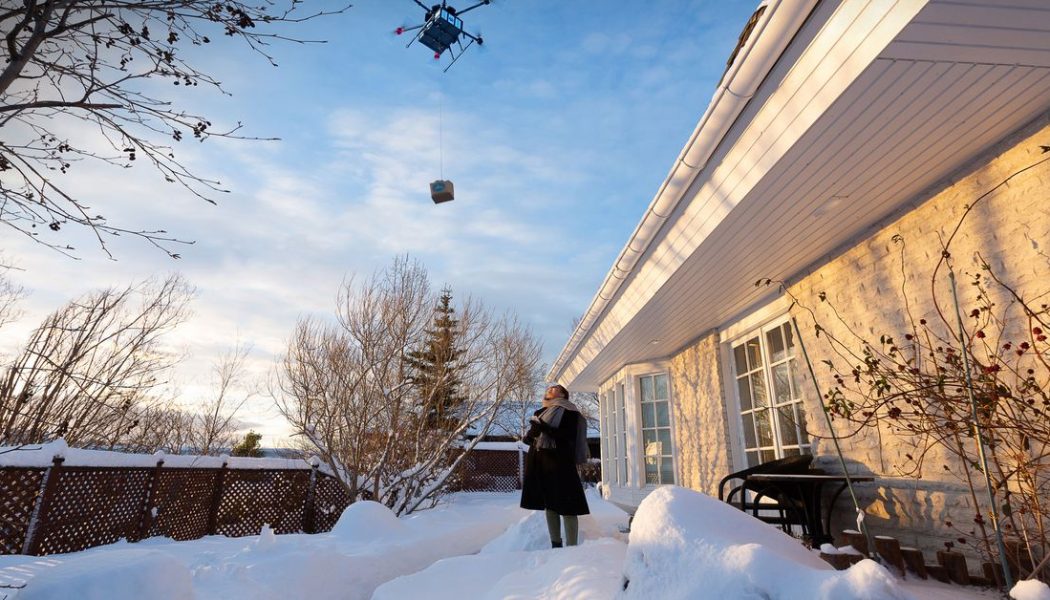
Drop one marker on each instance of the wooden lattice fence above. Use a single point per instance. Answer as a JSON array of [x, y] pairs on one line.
[[65, 509], [492, 470], [489, 471], [61, 509]]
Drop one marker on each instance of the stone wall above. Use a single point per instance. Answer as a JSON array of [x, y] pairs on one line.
[[868, 285], [702, 444]]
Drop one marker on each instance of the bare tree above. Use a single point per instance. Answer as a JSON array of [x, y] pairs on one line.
[[80, 80], [517, 409], [345, 388], [88, 370], [587, 402], [213, 428], [10, 294]]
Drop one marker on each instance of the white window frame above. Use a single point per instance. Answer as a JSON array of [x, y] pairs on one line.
[[603, 433], [610, 438], [624, 466], [758, 324], [672, 454], [622, 432]]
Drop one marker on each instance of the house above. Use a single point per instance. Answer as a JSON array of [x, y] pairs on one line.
[[840, 128]]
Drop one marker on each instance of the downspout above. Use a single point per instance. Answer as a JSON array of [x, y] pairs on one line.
[[772, 33]]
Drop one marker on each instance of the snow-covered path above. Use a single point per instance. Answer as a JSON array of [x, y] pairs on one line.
[[683, 545]]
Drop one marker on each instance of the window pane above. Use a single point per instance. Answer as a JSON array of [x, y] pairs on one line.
[[650, 443], [663, 416], [752, 458], [782, 383], [768, 455], [667, 472], [744, 392], [648, 415], [664, 435], [775, 345], [754, 353], [740, 359], [763, 428], [624, 456], [652, 470], [796, 380], [800, 413], [792, 452], [786, 416], [758, 386], [749, 430], [661, 387], [789, 335], [647, 389]]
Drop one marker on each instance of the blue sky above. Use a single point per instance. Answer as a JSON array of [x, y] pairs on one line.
[[557, 134]]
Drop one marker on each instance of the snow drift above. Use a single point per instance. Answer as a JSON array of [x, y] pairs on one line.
[[684, 544], [124, 574], [365, 521], [530, 533], [1030, 590]]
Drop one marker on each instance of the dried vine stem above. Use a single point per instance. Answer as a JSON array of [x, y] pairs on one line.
[[913, 381]]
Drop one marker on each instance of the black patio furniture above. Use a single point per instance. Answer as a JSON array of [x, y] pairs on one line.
[[788, 493]]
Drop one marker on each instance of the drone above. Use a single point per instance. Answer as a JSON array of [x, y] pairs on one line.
[[442, 30]]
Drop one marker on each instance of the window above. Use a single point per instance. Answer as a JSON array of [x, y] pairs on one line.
[[769, 391], [603, 427], [656, 429], [624, 467], [612, 439]]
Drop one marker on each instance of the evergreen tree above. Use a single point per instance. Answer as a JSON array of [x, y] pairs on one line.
[[434, 368], [249, 446]]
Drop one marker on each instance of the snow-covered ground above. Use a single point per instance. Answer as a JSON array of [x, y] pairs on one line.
[[682, 545]]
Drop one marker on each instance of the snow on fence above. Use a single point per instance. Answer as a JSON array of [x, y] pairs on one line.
[[68, 506]]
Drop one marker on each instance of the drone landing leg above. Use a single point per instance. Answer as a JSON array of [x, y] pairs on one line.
[[455, 56], [415, 37]]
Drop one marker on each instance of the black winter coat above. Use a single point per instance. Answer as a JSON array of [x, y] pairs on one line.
[[551, 479]]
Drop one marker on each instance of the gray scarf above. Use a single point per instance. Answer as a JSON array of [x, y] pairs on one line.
[[551, 415]]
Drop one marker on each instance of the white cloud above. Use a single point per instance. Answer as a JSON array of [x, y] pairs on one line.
[[279, 247]]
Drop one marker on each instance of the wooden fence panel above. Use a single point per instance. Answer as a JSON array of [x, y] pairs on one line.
[[66, 509], [91, 506], [183, 498], [489, 470], [19, 490], [330, 498], [252, 498]]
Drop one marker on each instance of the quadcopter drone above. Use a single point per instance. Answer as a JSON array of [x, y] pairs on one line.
[[442, 30]]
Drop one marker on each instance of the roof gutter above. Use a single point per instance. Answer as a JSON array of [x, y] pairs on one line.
[[770, 36]]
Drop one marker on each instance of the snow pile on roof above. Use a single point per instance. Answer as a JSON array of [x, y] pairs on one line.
[[684, 544], [504, 446], [605, 520], [126, 574], [1030, 590], [42, 455]]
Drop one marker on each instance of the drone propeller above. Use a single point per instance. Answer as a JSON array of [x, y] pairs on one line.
[[475, 38]]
